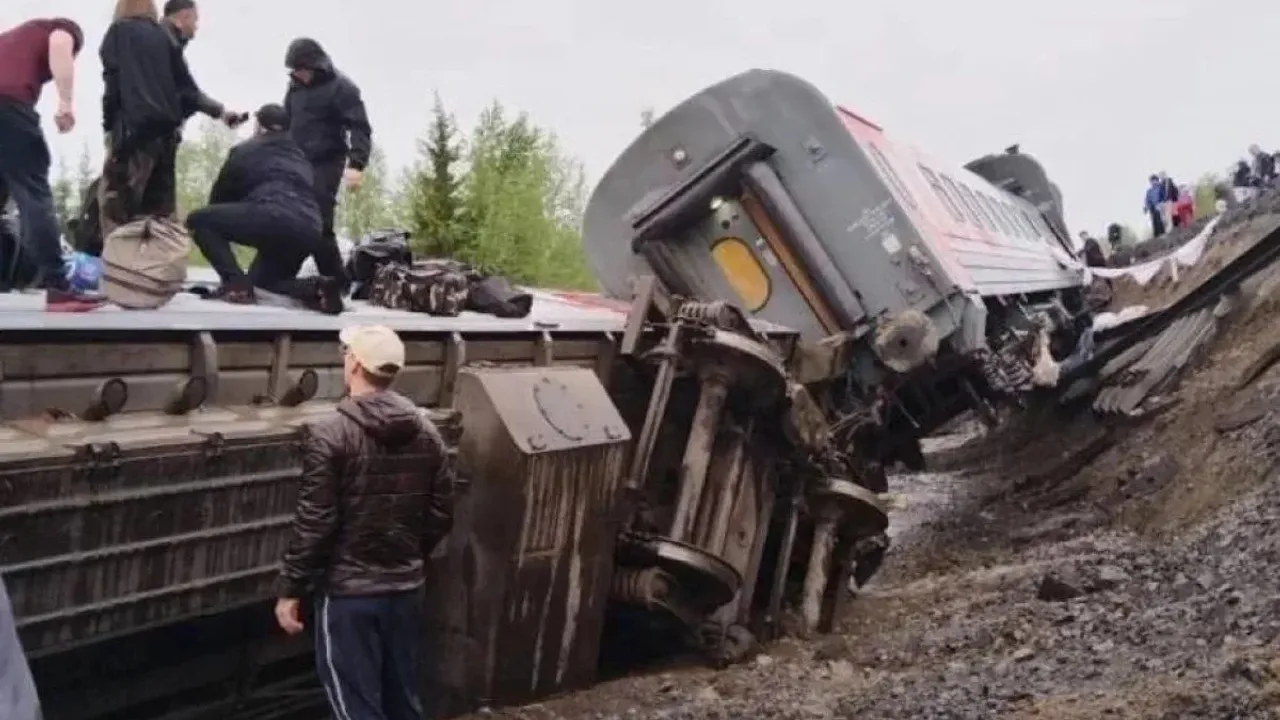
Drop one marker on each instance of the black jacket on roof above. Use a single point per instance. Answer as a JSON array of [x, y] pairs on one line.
[[147, 89], [269, 169], [197, 101], [327, 116]]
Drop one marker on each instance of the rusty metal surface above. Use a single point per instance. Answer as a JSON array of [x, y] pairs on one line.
[[158, 513], [530, 561]]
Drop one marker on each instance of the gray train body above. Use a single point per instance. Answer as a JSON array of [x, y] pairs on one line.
[[922, 282]]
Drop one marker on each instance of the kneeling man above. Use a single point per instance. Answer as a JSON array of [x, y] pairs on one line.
[[263, 199]]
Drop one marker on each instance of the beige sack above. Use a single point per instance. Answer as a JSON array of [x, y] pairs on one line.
[[144, 263]]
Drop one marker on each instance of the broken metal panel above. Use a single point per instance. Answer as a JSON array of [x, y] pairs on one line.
[[530, 558], [1154, 363]]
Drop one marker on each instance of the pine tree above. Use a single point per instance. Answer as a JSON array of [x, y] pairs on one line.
[[433, 194]]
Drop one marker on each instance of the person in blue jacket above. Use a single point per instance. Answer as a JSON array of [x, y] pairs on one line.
[[1155, 196], [18, 698]]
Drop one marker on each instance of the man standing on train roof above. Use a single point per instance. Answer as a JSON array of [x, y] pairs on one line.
[[374, 501], [328, 121], [182, 19], [31, 55]]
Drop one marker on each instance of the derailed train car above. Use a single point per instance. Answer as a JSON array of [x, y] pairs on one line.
[[929, 289], [801, 300]]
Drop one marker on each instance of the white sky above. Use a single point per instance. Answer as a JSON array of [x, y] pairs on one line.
[[1104, 92]]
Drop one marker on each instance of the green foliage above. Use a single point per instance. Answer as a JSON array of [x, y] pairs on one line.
[[200, 157], [1206, 195], [372, 205], [516, 208], [431, 190]]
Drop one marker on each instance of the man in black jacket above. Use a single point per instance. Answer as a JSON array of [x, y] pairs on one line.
[[374, 501], [329, 122], [263, 198], [182, 19], [145, 101]]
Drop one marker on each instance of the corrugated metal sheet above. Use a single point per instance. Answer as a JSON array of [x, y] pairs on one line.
[[1149, 367]]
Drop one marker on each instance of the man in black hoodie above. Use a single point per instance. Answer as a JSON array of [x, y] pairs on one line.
[[263, 198], [374, 501], [145, 101], [329, 123]]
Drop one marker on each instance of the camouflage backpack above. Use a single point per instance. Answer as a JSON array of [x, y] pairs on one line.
[[429, 286]]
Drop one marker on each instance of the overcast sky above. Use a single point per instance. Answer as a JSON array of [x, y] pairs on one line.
[[1104, 92]]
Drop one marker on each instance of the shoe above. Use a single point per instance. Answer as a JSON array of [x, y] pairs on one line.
[[65, 300], [329, 296], [234, 294]]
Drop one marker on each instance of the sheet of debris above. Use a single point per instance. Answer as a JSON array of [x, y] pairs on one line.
[[1056, 568]]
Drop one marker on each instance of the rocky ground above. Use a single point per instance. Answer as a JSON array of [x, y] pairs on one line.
[[1026, 582]]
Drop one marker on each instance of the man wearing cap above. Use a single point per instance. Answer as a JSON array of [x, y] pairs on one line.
[[263, 198], [182, 19], [374, 501]]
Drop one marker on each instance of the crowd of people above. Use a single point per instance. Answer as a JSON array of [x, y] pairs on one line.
[[276, 193], [374, 498]]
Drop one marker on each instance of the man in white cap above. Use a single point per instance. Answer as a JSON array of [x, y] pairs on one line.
[[375, 499]]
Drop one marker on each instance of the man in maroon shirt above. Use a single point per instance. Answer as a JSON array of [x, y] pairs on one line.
[[31, 55]]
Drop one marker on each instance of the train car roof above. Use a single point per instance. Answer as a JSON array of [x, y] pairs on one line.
[[552, 310], [25, 312]]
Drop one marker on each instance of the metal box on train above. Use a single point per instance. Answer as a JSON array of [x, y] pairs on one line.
[[521, 592]]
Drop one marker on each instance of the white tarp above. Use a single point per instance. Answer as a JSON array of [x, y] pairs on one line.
[[1186, 256]]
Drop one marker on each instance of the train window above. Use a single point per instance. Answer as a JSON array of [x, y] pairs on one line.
[[1018, 223], [972, 198], [890, 175], [743, 272], [957, 192], [1012, 218], [950, 203], [994, 209], [1039, 229]]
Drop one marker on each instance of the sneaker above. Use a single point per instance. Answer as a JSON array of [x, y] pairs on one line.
[[64, 300], [234, 294]]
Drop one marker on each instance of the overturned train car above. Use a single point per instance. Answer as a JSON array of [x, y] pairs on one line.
[[622, 475], [919, 289]]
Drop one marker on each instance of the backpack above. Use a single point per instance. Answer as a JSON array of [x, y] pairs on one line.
[[374, 251], [433, 288], [144, 263]]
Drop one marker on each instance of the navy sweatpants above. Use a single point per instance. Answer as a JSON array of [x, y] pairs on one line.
[[368, 655]]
